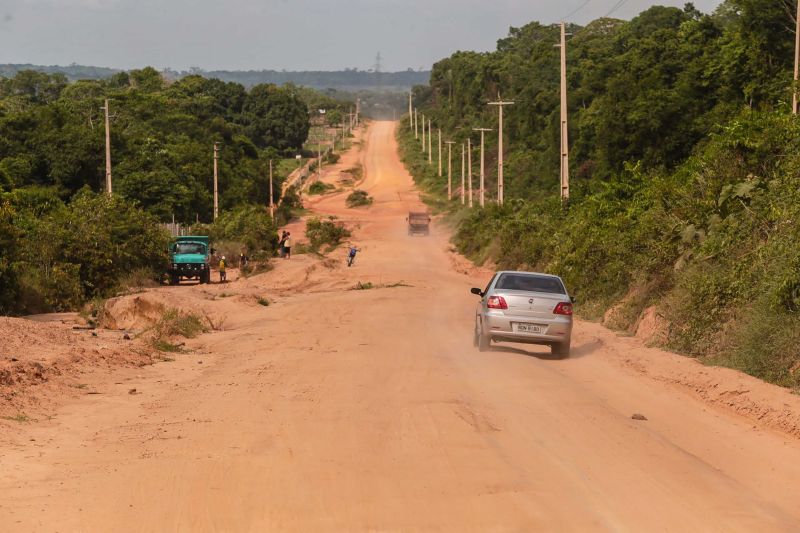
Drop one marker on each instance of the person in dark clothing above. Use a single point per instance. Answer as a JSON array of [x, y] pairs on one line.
[[282, 244], [351, 255], [287, 246]]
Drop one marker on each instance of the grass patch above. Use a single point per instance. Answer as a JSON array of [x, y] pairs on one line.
[[175, 324], [263, 301], [254, 268], [20, 417], [165, 346], [319, 187], [285, 167], [358, 198], [363, 286], [357, 172], [92, 311]]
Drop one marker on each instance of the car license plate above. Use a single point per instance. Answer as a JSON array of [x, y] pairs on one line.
[[527, 328]]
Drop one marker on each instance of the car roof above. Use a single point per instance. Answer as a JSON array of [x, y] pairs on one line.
[[529, 273]]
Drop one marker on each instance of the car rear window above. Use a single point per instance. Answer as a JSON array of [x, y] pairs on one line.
[[531, 283]]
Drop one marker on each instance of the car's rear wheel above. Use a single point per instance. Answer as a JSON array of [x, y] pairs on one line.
[[561, 349], [480, 340], [174, 279]]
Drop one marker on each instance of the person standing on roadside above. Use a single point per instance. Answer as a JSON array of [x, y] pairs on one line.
[[222, 275], [287, 246], [282, 244]]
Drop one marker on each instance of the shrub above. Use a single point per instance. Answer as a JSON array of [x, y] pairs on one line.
[[82, 250], [357, 172], [358, 198], [319, 187], [141, 278], [249, 225], [8, 249], [325, 232], [175, 324]]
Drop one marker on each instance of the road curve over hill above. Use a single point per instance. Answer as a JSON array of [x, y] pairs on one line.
[[369, 410]]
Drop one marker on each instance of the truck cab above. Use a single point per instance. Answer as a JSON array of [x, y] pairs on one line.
[[189, 259]]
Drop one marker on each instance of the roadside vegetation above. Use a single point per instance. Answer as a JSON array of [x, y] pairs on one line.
[[319, 187], [358, 198], [685, 189], [63, 241], [175, 324], [325, 232]]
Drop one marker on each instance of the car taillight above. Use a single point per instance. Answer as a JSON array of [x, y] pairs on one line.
[[496, 302], [563, 308]]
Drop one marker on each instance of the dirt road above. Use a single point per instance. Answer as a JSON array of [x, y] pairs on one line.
[[369, 410]]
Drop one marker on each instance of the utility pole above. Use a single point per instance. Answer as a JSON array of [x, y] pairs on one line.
[[108, 149], [482, 190], [796, 59], [463, 184], [271, 203], [564, 125], [500, 181], [469, 168], [423, 133], [319, 160], [449, 166], [410, 113], [358, 110], [439, 130], [430, 138], [416, 124], [216, 180]]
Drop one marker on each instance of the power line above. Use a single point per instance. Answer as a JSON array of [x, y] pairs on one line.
[[574, 11], [617, 6]]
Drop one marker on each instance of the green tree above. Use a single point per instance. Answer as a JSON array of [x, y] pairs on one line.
[[275, 117]]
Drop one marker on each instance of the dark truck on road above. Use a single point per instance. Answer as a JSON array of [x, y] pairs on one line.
[[189, 259], [418, 222]]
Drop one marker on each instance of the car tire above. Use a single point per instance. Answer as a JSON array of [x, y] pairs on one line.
[[174, 280], [561, 349], [481, 341]]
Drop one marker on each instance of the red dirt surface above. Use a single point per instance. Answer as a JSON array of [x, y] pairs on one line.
[[333, 409]]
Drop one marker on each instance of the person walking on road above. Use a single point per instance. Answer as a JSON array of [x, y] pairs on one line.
[[287, 246], [222, 276], [351, 255]]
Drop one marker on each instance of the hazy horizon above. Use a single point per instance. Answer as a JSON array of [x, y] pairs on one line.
[[243, 35]]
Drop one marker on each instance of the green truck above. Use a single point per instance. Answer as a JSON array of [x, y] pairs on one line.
[[189, 259]]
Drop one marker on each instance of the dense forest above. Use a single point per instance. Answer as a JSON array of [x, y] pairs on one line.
[[348, 79], [63, 240], [684, 170]]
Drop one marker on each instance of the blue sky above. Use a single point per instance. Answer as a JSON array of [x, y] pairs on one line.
[[274, 34]]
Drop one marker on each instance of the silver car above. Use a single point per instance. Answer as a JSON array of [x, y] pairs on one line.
[[526, 307]]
